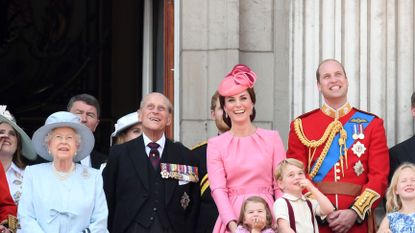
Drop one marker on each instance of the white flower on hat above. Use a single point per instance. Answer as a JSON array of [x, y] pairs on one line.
[[6, 113]]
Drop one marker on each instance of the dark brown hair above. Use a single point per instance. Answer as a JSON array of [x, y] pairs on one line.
[[255, 199], [86, 98], [225, 116], [17, 156]]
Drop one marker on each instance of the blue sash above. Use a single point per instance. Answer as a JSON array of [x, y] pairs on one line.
[[333, 155]]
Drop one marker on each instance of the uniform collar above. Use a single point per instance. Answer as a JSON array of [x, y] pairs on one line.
[[340, 112]]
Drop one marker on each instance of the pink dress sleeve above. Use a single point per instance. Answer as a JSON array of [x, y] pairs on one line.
[[218, 184], [278, 156]]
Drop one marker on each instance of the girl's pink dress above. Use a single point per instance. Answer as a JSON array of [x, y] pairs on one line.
[[240, 167], [241, 229]]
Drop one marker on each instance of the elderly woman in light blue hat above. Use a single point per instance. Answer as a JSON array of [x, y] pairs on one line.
[[62, 196], [14, 145]]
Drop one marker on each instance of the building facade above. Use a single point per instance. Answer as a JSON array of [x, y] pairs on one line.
[[283, 41]]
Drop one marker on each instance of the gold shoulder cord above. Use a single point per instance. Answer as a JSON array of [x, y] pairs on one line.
[[329, 134]]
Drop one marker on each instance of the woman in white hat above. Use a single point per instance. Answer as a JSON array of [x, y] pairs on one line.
[[63, 196], [127, 128], [14, 143]]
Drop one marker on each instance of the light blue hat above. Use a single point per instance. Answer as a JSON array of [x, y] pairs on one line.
[[58, 120]]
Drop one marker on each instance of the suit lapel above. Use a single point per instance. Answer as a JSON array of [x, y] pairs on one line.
[[169, 156], [410, 150], [138, 156]]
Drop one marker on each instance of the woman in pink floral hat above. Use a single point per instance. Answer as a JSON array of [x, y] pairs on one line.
[[241, 161]]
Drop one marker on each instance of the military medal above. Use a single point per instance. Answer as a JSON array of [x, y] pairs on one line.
[[358, 168], [164, 171], [185, 200], [359, 149], [361, 135], [179, 172], [355, 137]]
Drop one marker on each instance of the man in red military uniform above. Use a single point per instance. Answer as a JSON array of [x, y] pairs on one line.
[[345, 152], [7, 206]]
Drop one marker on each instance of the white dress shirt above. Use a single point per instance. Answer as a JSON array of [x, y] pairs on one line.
[[161, 142], [301, 211]]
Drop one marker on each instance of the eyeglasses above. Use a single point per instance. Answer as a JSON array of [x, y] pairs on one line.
[[61, 138]]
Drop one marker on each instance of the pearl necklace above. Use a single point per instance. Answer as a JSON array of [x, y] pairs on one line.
[[63, 175]]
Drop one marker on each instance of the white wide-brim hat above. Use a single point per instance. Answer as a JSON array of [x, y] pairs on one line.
[[58, 120], [27, 149], [125, 122]]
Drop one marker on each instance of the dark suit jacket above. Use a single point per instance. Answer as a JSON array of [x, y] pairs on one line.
[[208, 213], [127, 188], [400, 153], [97, 158]]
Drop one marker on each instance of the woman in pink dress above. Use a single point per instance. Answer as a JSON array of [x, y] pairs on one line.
[[241, 161]]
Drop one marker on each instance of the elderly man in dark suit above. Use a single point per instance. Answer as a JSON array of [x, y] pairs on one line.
[[404, 151], [151, 182]]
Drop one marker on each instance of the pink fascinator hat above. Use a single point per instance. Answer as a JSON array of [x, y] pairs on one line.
[[239, 79]]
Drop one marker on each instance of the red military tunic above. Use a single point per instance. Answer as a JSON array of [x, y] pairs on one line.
[[365, 169], [7, 206]]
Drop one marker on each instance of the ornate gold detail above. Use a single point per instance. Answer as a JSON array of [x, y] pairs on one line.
[[11, 223], [328, 136], [364, 202]]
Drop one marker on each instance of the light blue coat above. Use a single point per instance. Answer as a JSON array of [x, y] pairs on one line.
[[49, 204]]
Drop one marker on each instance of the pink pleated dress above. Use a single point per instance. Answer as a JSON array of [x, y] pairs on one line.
[[240, 167]]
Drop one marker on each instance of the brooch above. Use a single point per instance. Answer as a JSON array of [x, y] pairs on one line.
[[358, 168], [184, 202], [85, 173], [359, 149]]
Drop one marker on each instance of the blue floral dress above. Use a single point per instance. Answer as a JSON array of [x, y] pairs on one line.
[[401, 223]]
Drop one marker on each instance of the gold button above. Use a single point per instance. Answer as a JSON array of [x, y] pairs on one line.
[[337, 170]]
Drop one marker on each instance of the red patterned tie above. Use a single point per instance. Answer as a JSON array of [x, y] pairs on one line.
[[154, 155]]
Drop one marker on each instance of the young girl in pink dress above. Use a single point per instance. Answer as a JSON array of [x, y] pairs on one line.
[[255, 216], [241, 161]]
